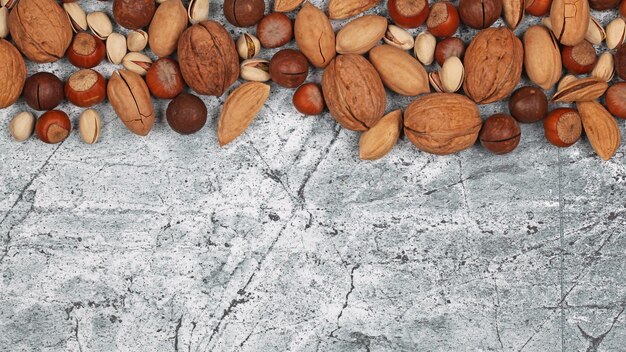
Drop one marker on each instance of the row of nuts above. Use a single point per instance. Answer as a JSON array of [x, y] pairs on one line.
[[55, 126]]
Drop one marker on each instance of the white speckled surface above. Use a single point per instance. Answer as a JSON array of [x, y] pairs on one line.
[[285, 241]]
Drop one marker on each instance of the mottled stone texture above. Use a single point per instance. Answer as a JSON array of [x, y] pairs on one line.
[[285, 241]]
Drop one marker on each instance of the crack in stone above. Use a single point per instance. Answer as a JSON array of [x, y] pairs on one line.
[[536, 332], [496, 307], [80, 346], [345, 303], [325, 154], [594, 342], [177, 331]]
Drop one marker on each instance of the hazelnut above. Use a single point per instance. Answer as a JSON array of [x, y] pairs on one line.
[[408, 13], [275, 30], [85, 88], [308, 99], [133, 14], [449, 47], [538, 7], [616, 99], [500, 134], [86, 51], [289, 68], [601, 5], [528, 104], [443, 19], [563, 127], [53, 127], [620, 62], [43, 91], [479, 14], [579, 59], [244, 13], [186, 114], [164, 79]]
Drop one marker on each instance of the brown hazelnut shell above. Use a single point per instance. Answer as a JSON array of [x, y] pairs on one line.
[[563, 127], [164, 79], [53, 127], [85, 88], [86, 51], [133, 14], [408, 13]]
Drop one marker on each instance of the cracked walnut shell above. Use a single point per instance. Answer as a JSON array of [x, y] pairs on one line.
[[12, 74]]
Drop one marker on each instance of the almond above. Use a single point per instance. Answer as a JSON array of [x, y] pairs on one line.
[[399, 71], [241, 107], [600, 127], [583, 89], [286, 5], [340, 9], [361, 34], [380, 139]]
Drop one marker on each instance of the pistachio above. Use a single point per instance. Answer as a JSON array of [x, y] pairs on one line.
[[8, 3], [615, 33], [595, 33], [435, 80], [605, 67], [116, 48], [89, 126], [100, 24], [198, 11], [4, 22], [399, 37], [255, 70], [137, 62], [248, 46], [425, 44], [76, 15], [452, 74], [22, 126], [137, 40], [577, 90]]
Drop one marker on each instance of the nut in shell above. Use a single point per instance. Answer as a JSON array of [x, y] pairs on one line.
[[452, 74], [605, 68], [513, 12], [581, 89], [542, 58], [12, 74], [600, 127], [255, 70], [22, 126], [341, 9], [569, 20], [76, 15], [361, 34], [615, 33], [376, 142], [100, 24], [241, 107], [130, 98], [116, 48], [89, 126], [595, 32], [315, 35], [137, 62], [425, 44], [399, 71], [399, 37], [168, 23], [137, 40], [4, 22], [198, 11], [286, 5], [248, 46], [435, 81]]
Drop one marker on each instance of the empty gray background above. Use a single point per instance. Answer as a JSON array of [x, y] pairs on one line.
[[285, 241]]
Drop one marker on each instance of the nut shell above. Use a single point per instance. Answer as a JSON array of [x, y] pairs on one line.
[[528, 104], [208, 58], [616, 99], [542, 59], [569, 20], [186, 114], [315, 35], [12, 74], [130, 98], [168, 23], [43, 91], [354, 92], [399, 71], [244, 13], [133, 14], [500, 134], [40, 29], [164, 79], [22, 126], [563, 127], [442, 123], [53, 127], [493, 65]]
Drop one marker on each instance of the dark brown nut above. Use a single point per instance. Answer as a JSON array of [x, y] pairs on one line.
[[85, 88], [528, 105], [186, 114], [449, 47], [616, 100], [601, 5], [208, 58], [289, 68], [40, 29], [275, 30], [579, 59], [500, 134], [563, 127], [620, 62], [43, 91], [244, 13], [408, 13], [53, 127], [309, 100], [479, 14], [164, 79], [133, 14]]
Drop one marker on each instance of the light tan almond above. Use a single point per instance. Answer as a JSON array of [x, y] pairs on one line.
[[315, 35], [542, 57], [340, 9], [600, 127], [241, 107], [513, 11], [361, 34], [286, 5], [583, 89], [399, 71], [380, 139], [567, 79], [605, 67]]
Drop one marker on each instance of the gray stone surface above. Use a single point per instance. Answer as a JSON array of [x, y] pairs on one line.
[[285, 241]]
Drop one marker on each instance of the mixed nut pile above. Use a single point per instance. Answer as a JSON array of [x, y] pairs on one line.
[[364, 59]]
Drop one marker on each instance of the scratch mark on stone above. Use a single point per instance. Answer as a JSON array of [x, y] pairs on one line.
[[307, 177], [496, 308], [594, 342], [177, 331], [80, 346], [273, 174], [536, 332], [234, 303], [345, 303], [561, 253]]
